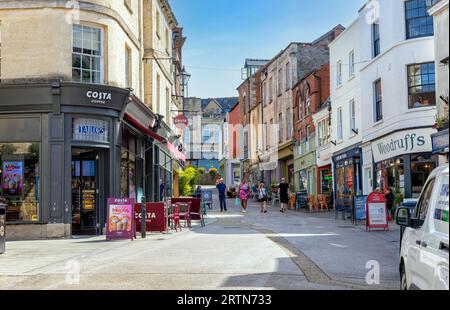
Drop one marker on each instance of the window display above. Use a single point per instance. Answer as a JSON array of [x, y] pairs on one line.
[[19, 175]]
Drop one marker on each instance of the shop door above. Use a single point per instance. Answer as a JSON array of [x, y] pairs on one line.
[[85, 192]]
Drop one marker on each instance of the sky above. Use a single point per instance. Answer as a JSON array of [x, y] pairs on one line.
[[221, 34]]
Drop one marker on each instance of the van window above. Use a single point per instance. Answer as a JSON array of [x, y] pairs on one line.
[[441, 209], [424, 203]]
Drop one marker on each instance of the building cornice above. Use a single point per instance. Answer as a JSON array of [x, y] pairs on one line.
[[394, 46], [438, 7]]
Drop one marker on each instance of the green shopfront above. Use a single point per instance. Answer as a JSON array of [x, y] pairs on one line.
[[306, 171]]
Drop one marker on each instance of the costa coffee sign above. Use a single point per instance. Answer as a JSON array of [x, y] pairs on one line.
[[97, 97], [181, 122]]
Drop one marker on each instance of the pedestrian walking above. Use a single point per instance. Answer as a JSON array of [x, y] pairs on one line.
[[198, 192], [389, 201], [263, 196], [283, 193], [244, 195], [222, 188]]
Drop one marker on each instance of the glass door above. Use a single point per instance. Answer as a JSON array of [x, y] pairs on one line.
[[84, 192]]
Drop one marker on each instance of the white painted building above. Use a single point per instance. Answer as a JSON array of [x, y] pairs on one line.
[[397, 83], [346, 124]]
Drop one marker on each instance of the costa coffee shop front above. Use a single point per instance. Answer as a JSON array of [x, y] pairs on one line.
[[60, 148]]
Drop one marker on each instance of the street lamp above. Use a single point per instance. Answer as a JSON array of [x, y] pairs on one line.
[[185, 77]]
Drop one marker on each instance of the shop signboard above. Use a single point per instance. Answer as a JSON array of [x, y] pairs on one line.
[[376, 211], [181, 122], [93, 130], [12, 178], [360, 207], [155, 218], [120, 219], [403, 142]]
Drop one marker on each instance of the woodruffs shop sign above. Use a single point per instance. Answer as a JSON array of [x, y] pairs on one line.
[[403, 142]]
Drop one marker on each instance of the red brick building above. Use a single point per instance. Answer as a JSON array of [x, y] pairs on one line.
[[310, 94]]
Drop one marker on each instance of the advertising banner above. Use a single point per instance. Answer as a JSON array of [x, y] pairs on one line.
[[360, 208], [155, 217], [120, 219], [12, 180], [376, 211]]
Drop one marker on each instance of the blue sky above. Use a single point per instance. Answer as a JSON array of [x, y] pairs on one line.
[[222, 33]]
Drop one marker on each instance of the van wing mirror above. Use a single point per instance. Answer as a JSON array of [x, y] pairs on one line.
[[403, 217]]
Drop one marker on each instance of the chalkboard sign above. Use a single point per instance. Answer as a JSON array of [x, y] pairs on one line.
[[360, 208]]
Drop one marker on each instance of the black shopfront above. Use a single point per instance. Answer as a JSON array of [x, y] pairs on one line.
[[64, 149], [347, 177]]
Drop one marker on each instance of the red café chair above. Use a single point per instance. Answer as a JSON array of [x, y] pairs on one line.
[[311, 203], [174, 218], [186, 215], [322, 202]]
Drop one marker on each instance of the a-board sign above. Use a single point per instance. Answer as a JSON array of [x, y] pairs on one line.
[[360, 207], [120, 219], [376, 212]]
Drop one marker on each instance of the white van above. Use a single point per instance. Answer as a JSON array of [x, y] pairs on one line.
[[424, 250]]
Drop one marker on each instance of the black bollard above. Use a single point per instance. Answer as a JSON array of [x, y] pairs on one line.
[[143, 219]]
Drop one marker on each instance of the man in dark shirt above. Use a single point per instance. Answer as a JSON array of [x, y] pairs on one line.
[[283, 192], [222, 188]]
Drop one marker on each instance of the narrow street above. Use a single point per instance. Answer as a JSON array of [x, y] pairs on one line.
[[294, 251]]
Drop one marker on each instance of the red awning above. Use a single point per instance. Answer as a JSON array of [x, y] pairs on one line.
[[172, 149]]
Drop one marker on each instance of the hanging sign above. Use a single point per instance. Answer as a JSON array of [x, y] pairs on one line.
[[181, 122], [376, 212], [120, 219]]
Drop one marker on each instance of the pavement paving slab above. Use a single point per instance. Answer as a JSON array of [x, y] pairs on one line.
[[235, 251]]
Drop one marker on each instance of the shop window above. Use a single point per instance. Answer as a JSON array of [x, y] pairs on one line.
[[421, 85], [390, 174], [326, 181], [20, 181], [351, 66], [128, 162], [308, 100], [87, 54], [421, 168], [418, 22]]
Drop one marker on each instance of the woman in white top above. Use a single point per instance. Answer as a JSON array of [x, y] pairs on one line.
[[263, 197]]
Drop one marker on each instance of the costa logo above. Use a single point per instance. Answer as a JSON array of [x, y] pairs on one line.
[[181, 121], [98, 95]]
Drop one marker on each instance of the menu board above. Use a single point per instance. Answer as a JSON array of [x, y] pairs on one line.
[[376, 211], [12, 178], [120, 219]]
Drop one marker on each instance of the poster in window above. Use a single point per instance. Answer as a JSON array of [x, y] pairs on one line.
[[12, 178]]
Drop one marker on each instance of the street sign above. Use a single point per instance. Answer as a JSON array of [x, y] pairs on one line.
[[376, 212], [120, 219]]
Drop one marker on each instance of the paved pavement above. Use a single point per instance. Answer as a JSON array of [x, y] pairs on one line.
[[235, 251]]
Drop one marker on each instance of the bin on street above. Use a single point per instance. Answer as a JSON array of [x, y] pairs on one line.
[[2, 228]]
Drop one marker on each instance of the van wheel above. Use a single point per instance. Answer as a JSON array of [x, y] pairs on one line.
[[403, 282]]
